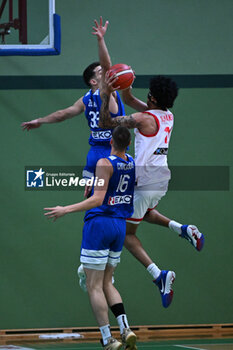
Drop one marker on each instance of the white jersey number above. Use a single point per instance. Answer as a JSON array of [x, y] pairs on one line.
[[123, 183], [94, 119]]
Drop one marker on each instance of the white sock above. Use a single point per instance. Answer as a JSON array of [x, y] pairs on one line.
[[122, 322], [106, 333], [154, 270], [175, 226]]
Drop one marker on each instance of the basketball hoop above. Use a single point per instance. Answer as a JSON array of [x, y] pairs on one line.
[[19, 23], [23, 44]]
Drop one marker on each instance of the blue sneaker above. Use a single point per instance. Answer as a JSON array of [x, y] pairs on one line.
[[192, 234], [164, 283]]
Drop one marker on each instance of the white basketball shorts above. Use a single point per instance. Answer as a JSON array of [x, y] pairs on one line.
[[147, 198]]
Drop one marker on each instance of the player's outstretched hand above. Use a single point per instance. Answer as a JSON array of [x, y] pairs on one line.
[[33, 124], [99, 29], [55, 212]]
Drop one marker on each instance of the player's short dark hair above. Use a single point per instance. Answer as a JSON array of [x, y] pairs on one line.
[[121, 138], [164, 90], [89, 73]]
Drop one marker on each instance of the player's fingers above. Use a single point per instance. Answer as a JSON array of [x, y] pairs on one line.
[[109, 77], [49, 210], [112, 79], [48, 214], [101, 21], [113, 82], [96, 23], [106, 24]]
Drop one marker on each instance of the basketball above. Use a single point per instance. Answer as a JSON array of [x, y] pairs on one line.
[[124, 73]]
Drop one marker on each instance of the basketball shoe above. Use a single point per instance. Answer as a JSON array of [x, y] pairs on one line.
[[129, 339], [112, 344], [192, 234], [82, 278], [164, 283]]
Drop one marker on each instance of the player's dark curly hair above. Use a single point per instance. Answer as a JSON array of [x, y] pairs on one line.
[[121, 137], [89, 73], [164, 90]]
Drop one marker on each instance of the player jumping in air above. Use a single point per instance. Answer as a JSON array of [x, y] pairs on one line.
[[153, 125], [103, 236]]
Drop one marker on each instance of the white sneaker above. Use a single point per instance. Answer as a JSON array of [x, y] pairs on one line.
[[82, 278], [113, 344], [129, 339]]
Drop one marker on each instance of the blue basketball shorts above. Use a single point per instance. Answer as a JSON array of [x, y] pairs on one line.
[[102, 242], [95, 153]]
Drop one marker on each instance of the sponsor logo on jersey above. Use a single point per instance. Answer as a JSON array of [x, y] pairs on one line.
[[126, 199], [161, 151], [101, 135], [124, 166]]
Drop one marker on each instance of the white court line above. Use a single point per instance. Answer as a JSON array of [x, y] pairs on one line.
[[191, 347], [13, 347], [188, 347], [77, 347]]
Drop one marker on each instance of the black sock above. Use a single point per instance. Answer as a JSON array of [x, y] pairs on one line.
[[118, 309]]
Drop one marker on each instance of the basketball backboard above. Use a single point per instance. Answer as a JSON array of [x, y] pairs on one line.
[[29, 27]]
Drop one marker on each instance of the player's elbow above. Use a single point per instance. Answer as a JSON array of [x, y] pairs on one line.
[[60, 116], [98, 201]]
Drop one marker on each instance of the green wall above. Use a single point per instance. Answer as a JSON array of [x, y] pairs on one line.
[[39, 258], [153, 36]]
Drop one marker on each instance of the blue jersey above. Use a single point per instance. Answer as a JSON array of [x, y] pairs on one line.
[[92, 102], [118, 201]]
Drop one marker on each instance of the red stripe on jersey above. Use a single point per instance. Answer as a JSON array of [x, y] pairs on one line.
[[157, 122]]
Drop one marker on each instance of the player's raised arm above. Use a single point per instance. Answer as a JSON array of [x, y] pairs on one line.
[[99, 30], [104, 171], [132, 101], [56, 117]]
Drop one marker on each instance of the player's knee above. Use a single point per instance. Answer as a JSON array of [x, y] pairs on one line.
[[93, 285], [107, 286]]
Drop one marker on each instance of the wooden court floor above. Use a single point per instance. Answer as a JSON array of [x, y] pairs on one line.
[[207, 344]]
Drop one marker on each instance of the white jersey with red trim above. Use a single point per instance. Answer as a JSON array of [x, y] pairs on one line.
[[151, 150]]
